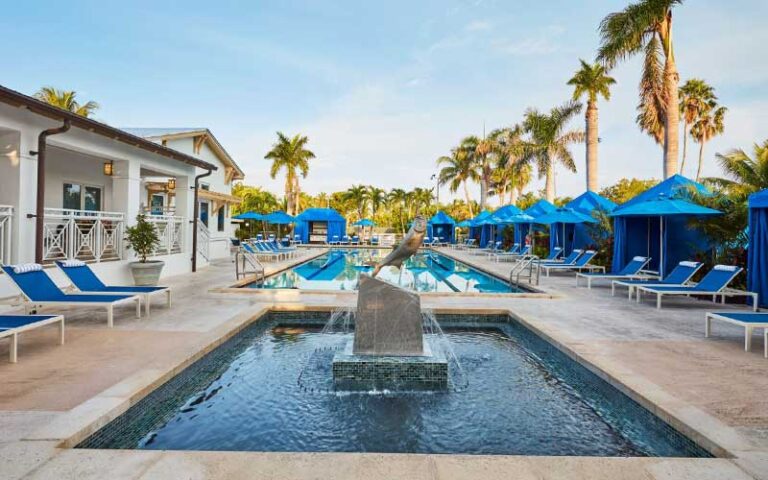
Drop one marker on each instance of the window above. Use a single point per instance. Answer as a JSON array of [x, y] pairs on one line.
[[205, 186], [204, 213], [82, 197], [156, 207], [221, 217]]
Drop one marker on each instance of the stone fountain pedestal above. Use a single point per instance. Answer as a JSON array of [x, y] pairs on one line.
[[389, 350]]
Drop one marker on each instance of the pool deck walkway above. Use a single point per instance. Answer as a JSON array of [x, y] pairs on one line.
[[710, 388]]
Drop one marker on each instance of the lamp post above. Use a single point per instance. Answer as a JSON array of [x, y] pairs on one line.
[[437, 188]]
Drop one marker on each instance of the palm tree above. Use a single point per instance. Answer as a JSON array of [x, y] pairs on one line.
[[376, 196], [357, 195], [711, 122], [549, 141], [66, 99], [592, 81], [458, 169], [421, 198], [745, 175], [646, 25], [292, 155], [398, 198], [695, 97], [520, 178]]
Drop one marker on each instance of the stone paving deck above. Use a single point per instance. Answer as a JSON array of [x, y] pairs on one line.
[[710, 386]]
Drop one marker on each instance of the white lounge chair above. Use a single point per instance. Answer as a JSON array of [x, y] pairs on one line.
[[630, 271], [13, 325], [749, 321], [680, 275]]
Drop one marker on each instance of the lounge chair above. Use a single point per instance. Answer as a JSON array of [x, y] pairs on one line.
[[516, 255], [512, 250], [582, 263], [259, 251], [553, 256], [334, 240], [38, 289], [344, 240], [297, 239], [374, 240], [630, 271], [569, 260], [749, 321], [714, 283], [680, 275], [12, 325], [355, 240], [85, 280]]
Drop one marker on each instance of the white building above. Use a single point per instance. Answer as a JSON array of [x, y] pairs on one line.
[[96, 180]]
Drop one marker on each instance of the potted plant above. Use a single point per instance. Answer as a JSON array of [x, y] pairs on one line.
[[143, 239]]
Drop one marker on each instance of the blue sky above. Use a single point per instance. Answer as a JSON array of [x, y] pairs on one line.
[[381, 88]]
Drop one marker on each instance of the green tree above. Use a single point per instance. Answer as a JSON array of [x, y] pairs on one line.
[[549, 141], [458, 169], [711, 122], [646, 26], [397, 200], [695, 97], [357, 195], [591, 81], [626, 188], [292, 155], [744, 175], [253, 199], [67, 100]]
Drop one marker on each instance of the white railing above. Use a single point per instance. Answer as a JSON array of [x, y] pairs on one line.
[[170, 229], [203, 240], [6, 224], [82, 234]]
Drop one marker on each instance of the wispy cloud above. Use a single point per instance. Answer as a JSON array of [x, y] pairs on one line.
[[542, 43], [478, 26]]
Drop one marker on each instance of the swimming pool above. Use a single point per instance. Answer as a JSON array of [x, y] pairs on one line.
[[427, 271], [523, 397]]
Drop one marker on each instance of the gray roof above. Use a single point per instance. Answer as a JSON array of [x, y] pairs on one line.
[[159, 132]]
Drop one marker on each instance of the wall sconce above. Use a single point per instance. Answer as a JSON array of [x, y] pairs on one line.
[[109, 168], [171, 185]]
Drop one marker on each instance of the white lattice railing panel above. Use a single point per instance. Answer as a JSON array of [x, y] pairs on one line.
[[6, 225], [83, 235], [170, 229], [203, 240]]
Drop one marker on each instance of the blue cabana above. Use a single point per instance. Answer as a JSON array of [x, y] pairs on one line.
[[464, 224], [757, 259], [500, 215], [315, 225], [558, 221], [478, 230], [541, 207], [639, 234], [443, 226], [578, 234]]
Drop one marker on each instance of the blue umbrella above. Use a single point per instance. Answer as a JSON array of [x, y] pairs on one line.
[[464, 224], [664, 206], [279, 217], [365, 222], [249, 216]]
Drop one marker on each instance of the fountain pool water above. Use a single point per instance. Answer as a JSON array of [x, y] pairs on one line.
[[517, 395]]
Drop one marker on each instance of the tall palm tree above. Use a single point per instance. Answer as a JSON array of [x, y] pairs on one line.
[[711, 122], [592, 81], [421, 199], [482, 149], [522, 174], [357, 195], [458, 169], [66, 99], [377, 197], [549, 141], [398, 198], [745, 175], [695, 97], [292, 155], [646, 25]]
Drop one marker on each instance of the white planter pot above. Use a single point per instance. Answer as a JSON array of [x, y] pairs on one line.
[[147, 274]]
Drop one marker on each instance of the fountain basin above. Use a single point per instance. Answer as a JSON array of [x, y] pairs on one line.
[[391, 372]]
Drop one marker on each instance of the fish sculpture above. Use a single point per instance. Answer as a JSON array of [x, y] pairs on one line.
[[410, 245]]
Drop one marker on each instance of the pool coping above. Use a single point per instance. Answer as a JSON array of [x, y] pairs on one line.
[[723, 441]]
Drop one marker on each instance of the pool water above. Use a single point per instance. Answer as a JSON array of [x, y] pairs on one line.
[[427, 271], [523, 397]]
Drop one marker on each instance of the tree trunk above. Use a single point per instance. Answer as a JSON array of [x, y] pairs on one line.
[[549, 189], [685, 146], [672, 116], [513, 196], [591, 117], [466, 196], [289, 198], [296, 197], [483, 187], [701, 160]]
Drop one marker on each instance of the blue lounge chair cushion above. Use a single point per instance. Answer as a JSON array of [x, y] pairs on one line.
[[9, 322], [632, 268], [746, 317], [87, 281], [678, 276], [714, 281], [39, 287]]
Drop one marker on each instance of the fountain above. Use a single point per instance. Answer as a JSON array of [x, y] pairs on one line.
[[389, 348]]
